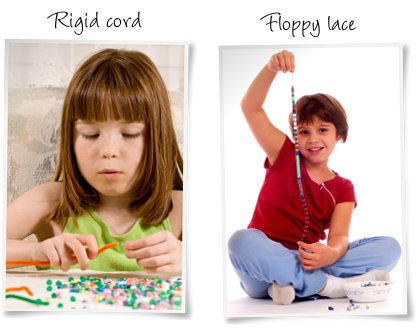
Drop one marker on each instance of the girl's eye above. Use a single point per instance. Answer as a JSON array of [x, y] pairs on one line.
[[303, 132], [323, 130], [131, 135], [90, 136]]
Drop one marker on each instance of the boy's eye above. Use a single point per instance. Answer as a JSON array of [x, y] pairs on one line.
[[324, 130], [303, 132]]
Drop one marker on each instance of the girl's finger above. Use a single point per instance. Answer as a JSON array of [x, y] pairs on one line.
[[147, 252], [65, 257], [90, 242], [156, 261], [52, 254], [79, 251], [147, 241], [169, 268]]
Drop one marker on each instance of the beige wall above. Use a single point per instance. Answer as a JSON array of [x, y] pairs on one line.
[[38, 74]]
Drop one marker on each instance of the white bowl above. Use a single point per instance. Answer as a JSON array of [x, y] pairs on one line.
[[368, 291]]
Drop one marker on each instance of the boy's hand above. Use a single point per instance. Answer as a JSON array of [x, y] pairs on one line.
[[283, 61], [66, 249], [160, 252], [315, 255]]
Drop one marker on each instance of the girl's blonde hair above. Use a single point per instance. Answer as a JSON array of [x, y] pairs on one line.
[[121, 85]]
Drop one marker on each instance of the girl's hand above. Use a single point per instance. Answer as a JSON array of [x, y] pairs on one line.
[[283, 61], [316, 255], [66, 249], [160, 252]]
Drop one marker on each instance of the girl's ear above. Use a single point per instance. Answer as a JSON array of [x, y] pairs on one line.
[[338, 138]]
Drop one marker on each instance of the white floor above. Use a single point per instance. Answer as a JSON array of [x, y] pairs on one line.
[[247, 307], [238, 304]]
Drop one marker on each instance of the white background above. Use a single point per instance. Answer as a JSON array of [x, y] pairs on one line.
[[352, 74], [206, 25]]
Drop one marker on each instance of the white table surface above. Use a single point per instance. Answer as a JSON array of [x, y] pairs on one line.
[[36, 281]]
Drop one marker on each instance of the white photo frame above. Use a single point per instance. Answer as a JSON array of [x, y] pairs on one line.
[[368, 81]]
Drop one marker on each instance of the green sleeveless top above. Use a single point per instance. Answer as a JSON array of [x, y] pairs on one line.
[[112, 259]]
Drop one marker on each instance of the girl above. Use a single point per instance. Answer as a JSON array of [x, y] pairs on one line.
[[279, 254], [119, 176]]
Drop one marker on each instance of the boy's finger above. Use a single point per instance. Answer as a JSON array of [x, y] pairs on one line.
[[289, 61], [281, 63], [302, 244]]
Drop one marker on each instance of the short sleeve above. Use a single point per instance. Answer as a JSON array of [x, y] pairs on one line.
[[346, 192], [286, 153]]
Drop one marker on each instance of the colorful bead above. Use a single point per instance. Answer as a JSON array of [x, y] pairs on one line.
[[135, 293], [298, 167]]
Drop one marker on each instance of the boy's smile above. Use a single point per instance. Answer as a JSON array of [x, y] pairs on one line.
[[315, 149]]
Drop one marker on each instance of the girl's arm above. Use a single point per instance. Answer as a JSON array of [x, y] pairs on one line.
[[29, 214], [267, 135], [176, 214], [316, 255]]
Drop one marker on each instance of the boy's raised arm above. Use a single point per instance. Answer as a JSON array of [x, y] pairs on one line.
[[267, 135]]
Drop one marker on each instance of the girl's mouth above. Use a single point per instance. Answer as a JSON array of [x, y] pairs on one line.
[[110, 173]]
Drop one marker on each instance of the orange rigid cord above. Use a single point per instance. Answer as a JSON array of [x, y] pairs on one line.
[[46, 264], [107, 246], [11, 289]]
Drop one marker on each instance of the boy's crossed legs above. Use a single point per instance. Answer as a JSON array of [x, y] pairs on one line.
[[266, 268]]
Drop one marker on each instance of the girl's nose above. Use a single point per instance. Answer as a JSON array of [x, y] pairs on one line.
[[110, 148], [109, 153]]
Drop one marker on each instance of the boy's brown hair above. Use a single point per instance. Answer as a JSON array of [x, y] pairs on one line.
[[324, 107], [121, 85]]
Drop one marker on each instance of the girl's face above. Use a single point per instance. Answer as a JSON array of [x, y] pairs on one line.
[[317, 140], [108, 154]]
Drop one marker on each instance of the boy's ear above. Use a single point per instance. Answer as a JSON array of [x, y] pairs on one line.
[[338, 138]]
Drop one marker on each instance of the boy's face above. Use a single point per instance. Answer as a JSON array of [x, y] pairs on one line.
[[108, 154], [317, 140]]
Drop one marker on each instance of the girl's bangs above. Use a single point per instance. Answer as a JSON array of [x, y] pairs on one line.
[[103, 101]]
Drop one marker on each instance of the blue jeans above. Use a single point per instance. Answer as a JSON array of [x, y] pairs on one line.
[[259, 262]]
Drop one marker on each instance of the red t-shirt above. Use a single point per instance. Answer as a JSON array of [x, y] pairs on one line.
[[279, 211]]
